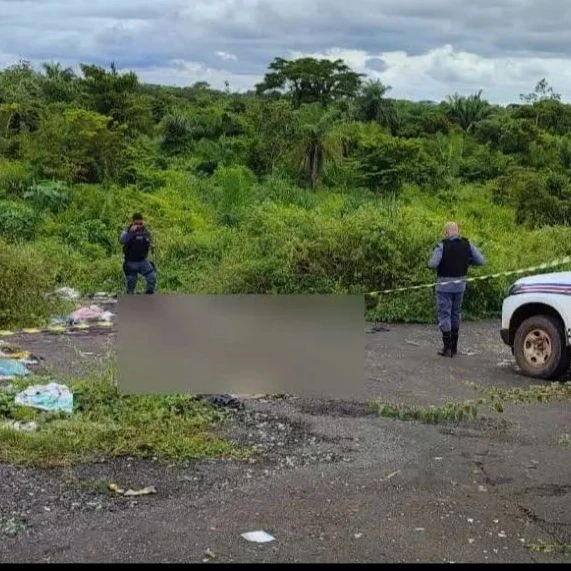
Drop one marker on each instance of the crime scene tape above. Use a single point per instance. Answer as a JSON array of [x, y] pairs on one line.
[[548, 265], [374, 294], [58, 329]]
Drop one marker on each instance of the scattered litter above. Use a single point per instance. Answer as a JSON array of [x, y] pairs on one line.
[[496, 521], [144, 492], [50, 397], [377, 328], [227, 401], [21, 426], [469, 353], [132, 493], [470, 520], [506, 363], [16, 353], [13, 352], [471, 540], [208, 555], [413, 343], [482, 489], [9, 368], [258, 537], [68, 293], [502, 534], [91, 313], [104, 298], [358, 535], [392, 475], [438, 459], [95, 505], [419, 529]]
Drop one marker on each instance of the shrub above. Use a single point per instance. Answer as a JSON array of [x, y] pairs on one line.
[[15, 177], [18, 222], [26, 278]]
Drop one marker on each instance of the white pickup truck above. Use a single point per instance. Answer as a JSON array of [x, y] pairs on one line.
[[536, 324]]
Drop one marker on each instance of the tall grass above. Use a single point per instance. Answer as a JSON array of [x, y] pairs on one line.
[[231, 234], [104, 422]]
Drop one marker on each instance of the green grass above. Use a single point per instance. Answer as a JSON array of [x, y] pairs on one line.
[[449, 412], [493, 400], [345, 241], [539, 393], [556, 548], [12, 526], [105, 423]]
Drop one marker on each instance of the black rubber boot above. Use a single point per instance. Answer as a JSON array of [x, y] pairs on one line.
[[446, 350], [454, 342]]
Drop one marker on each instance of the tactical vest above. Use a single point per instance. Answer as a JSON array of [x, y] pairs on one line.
[[137, 249], [455, 258]]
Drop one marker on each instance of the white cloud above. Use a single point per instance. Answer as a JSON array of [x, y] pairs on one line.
[[226, 56], [502, 46], [444, 70]]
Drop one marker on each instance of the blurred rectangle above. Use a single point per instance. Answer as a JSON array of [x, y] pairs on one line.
[[311, 345]]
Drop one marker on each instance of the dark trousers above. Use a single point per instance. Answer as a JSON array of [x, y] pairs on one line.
[[449, 307], [144, 268]]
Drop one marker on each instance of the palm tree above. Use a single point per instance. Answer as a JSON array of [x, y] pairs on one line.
[[320, 142], [373, 106], [57, 72], [467, 111], [59, 83]]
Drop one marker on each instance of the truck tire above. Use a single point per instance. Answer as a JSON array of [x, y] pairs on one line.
[[540, 349]]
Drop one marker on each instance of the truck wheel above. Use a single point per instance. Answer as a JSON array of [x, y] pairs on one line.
[[540, 349]]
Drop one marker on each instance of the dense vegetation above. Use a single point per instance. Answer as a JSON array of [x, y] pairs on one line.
[[316, 181]]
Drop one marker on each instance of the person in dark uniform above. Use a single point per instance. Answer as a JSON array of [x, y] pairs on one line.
[[451, 259], [137, 244]]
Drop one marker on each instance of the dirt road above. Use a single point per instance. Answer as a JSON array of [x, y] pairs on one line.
[[336, 483]]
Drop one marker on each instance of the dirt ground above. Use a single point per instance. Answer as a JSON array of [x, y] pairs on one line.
[[335, 482]]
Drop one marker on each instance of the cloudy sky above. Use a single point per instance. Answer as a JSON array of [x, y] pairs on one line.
[[424, 49]]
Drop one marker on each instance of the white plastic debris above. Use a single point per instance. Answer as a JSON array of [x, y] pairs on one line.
[[104, 298], [68, 293], [21, 426], [208, 555], [91, 313], [258, 537], [390, 476], [50, 397], [144, 492]]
